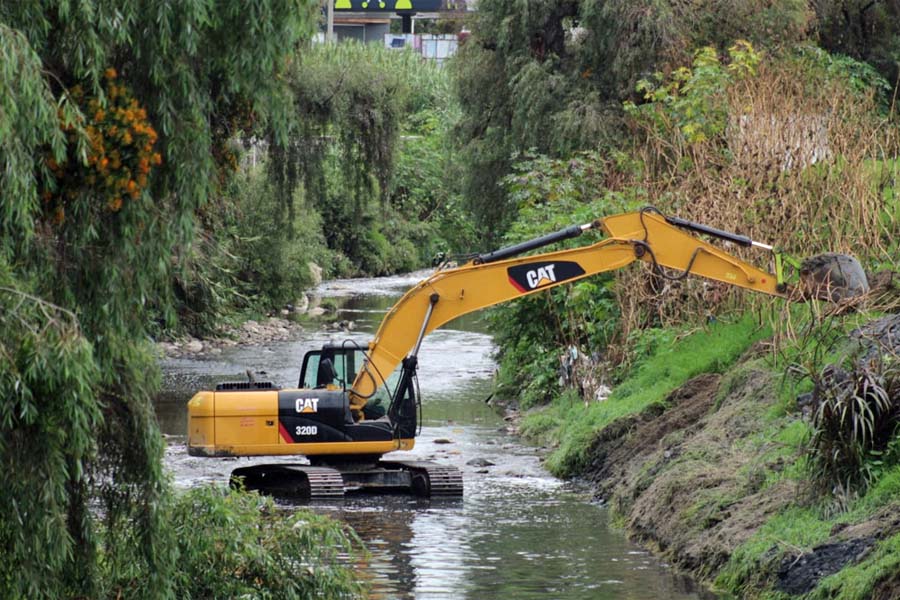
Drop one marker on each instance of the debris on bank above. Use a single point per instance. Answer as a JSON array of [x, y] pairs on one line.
[[249, 333]]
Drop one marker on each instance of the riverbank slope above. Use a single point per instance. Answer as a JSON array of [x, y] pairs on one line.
[[705, 455]]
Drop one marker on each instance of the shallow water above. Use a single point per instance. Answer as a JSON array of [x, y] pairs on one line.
[[516, 533]]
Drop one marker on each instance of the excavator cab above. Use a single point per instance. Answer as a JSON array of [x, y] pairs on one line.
[[331, 367]]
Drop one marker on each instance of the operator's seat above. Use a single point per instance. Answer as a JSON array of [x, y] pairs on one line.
[[326, 373]]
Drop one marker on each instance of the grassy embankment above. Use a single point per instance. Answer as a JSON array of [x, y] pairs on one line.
[[702, 448], [715, 470]]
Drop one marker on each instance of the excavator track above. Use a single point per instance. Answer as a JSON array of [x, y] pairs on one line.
[[291, 480], [422, 478], [324, 482], [430, 479]]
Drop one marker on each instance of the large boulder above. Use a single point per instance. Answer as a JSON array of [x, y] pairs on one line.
[[833, 277], [315, 271]]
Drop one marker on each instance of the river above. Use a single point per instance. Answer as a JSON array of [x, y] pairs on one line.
[[517, 532]]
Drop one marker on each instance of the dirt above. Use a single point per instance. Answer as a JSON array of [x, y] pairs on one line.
[[694, 494], [801, 574], [887, 589]]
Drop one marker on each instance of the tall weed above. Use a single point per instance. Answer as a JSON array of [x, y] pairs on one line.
[[791, 150]]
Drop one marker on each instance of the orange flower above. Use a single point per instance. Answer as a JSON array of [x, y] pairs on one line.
[[110, 73], [115, 204], [157, 158]]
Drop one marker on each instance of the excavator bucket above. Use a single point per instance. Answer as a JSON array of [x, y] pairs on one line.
[[833, 277]]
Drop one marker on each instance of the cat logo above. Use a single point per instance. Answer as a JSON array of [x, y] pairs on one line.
[[533, 276], [540, 277], [306, 405]]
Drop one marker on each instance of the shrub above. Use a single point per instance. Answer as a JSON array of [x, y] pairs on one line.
[[235, 544], [857, 410]]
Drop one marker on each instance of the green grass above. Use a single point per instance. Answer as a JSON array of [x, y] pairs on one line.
[[573, 426], [799, 529], [794, 530], [778, 443], [857, 582]]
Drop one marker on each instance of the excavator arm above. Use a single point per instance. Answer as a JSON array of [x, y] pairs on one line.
[[259, 419], [498, 277]]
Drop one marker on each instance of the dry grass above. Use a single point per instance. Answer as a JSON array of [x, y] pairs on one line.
[[803, 164]]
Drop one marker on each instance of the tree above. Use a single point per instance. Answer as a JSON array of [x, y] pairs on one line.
[[551, 76], [110, 116]]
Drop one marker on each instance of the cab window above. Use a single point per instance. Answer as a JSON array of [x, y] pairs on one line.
[[344, 366]]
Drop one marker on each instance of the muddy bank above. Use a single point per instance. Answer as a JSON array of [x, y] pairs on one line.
[[698, 475], [695, 492]]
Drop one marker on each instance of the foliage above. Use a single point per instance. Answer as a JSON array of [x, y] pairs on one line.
[[671, 364], [693, 99], [252, 259], [552, 194], [48, 420], [181, 68], [552, 76], [351, 103], [864, 31], [855, 421], [249, 548], [424, 192]]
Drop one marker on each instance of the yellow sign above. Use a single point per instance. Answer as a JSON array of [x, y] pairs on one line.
[[389, 5]]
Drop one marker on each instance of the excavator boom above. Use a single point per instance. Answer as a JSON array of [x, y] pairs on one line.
[[344, 431], [497, 277]]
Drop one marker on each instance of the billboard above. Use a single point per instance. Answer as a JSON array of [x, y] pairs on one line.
[[388, 6]]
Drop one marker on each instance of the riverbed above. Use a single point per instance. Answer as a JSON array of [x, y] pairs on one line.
[[516, 533]]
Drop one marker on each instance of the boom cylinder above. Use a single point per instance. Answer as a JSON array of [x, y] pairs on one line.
[[741, 240], [545, 240]]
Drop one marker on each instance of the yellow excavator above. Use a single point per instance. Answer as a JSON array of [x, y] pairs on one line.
[[354, 404]]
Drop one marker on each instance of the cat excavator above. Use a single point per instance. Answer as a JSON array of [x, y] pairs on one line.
[[354, 404]]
